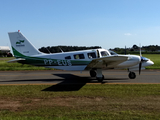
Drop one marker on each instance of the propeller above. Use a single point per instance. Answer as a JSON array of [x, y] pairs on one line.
[[140, 64], [143, 59]]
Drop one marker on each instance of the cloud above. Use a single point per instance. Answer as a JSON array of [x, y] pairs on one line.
[[127, 34]]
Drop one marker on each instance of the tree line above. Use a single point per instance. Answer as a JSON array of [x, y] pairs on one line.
[[151, 49]]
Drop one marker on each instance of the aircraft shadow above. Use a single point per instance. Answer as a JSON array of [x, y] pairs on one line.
[[74, 83], [70, 83]]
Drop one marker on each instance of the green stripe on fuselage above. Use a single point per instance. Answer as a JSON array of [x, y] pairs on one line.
[[38, 61]]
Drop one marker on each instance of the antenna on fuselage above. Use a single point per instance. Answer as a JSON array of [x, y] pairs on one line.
[[48, 50], [60, 49]]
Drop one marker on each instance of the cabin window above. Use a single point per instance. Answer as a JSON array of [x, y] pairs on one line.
[[104, 53], [79, 56], [68, 57], [91, 55]]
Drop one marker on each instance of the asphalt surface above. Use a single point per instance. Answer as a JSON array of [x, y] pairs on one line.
[[76, 77]]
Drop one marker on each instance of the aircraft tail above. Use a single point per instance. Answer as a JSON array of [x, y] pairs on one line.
[[21, 46]]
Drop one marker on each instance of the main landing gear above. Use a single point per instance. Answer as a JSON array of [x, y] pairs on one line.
[[98, 74], [100, 77]]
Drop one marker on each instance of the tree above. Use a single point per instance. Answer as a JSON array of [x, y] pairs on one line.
[[135, 47]]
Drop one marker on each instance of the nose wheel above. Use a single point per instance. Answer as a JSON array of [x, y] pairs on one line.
[[132, 75]]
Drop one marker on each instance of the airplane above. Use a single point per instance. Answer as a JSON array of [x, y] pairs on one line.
[[93, 60]]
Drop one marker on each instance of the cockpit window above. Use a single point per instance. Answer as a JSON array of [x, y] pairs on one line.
[[104, 53], [91, 55], [112, 52]]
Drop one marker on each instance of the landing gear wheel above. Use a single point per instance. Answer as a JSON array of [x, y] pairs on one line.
[[100, 79], [132, 75], [93, 73]]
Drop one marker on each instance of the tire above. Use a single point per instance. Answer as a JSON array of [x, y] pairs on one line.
[[93, 73], [132, 75], [100, 79]]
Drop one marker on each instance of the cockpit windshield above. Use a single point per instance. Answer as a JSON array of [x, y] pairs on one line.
[[112, 52], [104, 53]]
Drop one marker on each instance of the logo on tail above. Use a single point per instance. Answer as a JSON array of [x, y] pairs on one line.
[[20, 43]]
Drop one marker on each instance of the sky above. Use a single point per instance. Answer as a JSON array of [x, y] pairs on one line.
[[105, 23]]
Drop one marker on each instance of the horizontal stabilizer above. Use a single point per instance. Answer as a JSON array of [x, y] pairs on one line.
[[16, 60]]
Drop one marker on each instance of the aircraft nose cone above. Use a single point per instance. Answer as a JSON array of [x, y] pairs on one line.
[[150, 62]]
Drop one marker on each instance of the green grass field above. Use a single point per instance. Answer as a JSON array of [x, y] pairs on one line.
[[4, 66], [91, 102]]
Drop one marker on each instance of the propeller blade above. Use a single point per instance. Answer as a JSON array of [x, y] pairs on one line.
[[140, 50], [140, 65]]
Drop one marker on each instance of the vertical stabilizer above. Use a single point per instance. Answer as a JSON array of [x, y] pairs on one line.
[[21, 46]]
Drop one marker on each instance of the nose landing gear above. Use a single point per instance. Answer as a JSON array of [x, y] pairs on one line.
[[132, 75]]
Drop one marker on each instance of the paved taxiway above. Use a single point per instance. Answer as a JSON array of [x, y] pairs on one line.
[[75, 77]]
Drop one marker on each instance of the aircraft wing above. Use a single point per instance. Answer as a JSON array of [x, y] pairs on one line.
[[107, 62], [16, 60]]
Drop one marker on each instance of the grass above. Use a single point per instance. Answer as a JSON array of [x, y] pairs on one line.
[[91, 102], [4, 66], [155, 58]]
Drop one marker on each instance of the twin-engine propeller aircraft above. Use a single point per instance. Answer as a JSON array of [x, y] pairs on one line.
[[93, 60]]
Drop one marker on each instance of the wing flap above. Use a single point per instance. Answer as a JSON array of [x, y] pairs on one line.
[[106, 62]]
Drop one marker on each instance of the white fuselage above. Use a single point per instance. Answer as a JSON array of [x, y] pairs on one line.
[[78, 60]]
